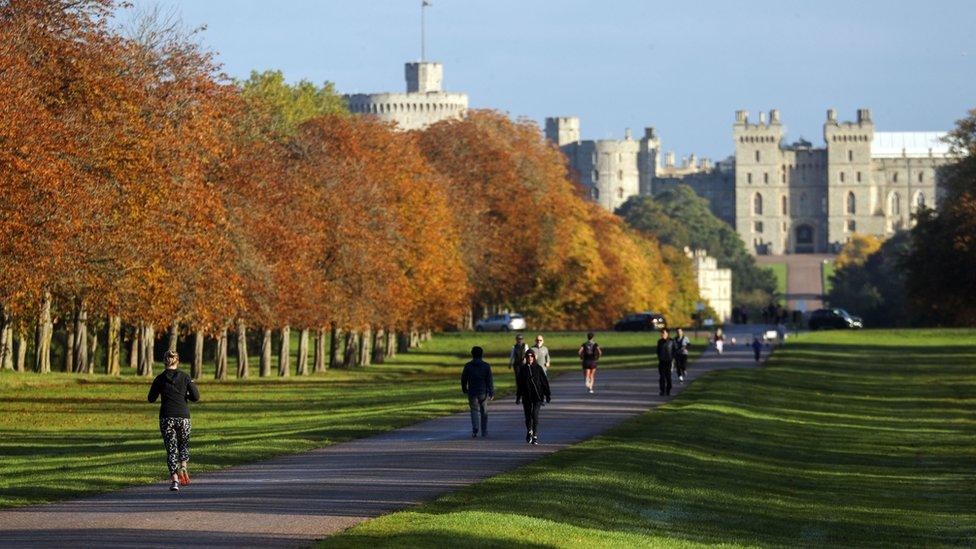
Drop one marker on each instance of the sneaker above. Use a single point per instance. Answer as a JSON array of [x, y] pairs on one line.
[[535, 440], [528, 436], [184, 476], [175, 487], [474, 434], [591, 390], [681, 379]]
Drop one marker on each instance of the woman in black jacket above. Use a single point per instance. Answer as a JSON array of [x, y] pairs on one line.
[[175, 388], [532, 388]]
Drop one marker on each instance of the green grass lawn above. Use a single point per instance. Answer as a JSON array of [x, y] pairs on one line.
[[780, 271], [827, 272], [845, 439], [66, 435]]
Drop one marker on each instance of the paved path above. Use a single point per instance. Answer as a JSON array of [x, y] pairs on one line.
[[804, 277], [296, 499]]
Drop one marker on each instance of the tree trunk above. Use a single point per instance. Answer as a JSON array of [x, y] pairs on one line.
[[302, 368], [379, 346], [80, 350], [113, 346], [352, 348], [220, 357], [196, 367], [42, 345], [364, 350], [319, 365], [403, 342], [335, 347], [68, 361], [242, 366], [134, 348], [20, 363], [174, 335], [414, 338], [266, 353], [6, 340], [284, 352], [391, 343], [147, 347], [92, 349]]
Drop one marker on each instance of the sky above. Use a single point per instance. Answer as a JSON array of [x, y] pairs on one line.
[[681, 67]]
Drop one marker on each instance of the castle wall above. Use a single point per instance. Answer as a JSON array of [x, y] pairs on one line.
[[423, 104]]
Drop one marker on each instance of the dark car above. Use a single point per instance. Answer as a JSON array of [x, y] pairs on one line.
[[823, 319], [640, 322]]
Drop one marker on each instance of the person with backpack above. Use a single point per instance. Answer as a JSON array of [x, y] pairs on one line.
[[175, 388], [590, 353], [681, 346], [665, 359], [478, 385], [516, 357], [531, 389]]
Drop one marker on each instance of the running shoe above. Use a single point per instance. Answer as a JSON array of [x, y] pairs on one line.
[[535, 440], [681, 379], [528, 436], [184, 476], [474, 434], [591, 390], [175, 487]]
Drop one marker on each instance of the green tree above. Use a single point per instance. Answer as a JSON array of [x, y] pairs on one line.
[[875, 288], [680, 218], [292, 104]]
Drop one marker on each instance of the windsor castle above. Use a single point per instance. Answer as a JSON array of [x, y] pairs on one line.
[[782, 198]]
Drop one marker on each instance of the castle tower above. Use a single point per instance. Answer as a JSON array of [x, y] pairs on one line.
[[851, 193], [424, 103], [648, 160], [761, 182], [563, 130], [424, 77]]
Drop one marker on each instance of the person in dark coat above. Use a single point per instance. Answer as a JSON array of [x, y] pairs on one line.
[[477, 383], [665, 360], [175, 388], [757, 348], [532, 389]]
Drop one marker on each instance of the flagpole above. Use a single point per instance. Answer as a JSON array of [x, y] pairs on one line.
[[423, 28]]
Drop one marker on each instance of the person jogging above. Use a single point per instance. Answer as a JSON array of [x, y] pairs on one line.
[[477, 383], [542, 353], [590, 353], [531, 389], [665, 359], [516, 357], [757, 347], [719, 341], [175, 388], [681, 345]]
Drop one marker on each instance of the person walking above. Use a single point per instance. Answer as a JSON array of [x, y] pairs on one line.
[[175, 388], [665, 359], [719, 341], [541, 353], [516, 357], [756, 347], [681, 345], [590, 353], [477, 383], [531, 389]]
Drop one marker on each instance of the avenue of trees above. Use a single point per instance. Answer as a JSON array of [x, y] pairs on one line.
[[925, 275], [144, 196]]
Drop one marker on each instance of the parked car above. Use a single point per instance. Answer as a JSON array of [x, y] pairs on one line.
[[834, 318], [501, 323], [641, 322]]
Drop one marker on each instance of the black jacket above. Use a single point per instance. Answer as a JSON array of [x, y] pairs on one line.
[[665, 350], [176, 388], [476, 379], [531, 384]]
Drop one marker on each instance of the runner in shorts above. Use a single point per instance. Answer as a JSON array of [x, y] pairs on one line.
[[589, 352]]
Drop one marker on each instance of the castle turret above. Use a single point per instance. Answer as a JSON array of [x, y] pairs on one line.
[[563, 130], [424, 77]]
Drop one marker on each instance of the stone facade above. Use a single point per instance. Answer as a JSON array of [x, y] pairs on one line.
[[423, 104], [781, 198], [714, 284]]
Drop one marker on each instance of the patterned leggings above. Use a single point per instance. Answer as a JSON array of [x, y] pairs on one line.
[[176, 438]]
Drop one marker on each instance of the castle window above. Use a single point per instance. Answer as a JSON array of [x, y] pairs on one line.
[[858, 177], [757, 227], [757, 156], [850, 156], [765, 177], [620, 175], [748, 178], [594, 193], [783, 178], [894, 178], [851, 226], [894, 204], [851, 203], [920, 176], [757, 204], [841, 177], [596, 175], [620, 193], [919, 201], [782, 205]]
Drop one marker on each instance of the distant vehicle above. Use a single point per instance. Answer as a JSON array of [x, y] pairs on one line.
[[501, 323], [641, 322], [822, 319]]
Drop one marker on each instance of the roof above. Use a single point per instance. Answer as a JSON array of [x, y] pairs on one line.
[[898, 144]]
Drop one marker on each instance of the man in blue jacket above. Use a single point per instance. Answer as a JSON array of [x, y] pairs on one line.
[[477, 383]]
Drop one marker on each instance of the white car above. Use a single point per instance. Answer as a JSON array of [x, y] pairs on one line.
[[501, 323]]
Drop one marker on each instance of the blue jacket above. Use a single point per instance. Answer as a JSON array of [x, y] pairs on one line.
[[476, 379]]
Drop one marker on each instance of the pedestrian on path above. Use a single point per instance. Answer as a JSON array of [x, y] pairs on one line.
[[757, 347], [681, 345], [516, 357], [665, 359], [719, 341], [590, 353], [532, 388], [541, 353], [477, 383], [175, 388]]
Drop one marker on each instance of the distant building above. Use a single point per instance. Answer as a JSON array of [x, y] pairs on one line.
[[781, 198], [423, 104], [714, 284]]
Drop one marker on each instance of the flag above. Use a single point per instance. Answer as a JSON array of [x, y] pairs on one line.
[[425, 3]]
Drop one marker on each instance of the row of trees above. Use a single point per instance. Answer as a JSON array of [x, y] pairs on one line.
[[141, 191], [923, 276]]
